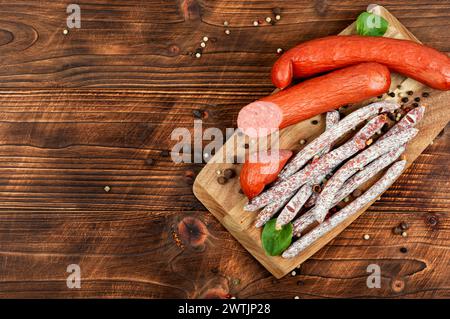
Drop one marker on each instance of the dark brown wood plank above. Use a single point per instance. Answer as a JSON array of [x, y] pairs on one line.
[[87, 110]]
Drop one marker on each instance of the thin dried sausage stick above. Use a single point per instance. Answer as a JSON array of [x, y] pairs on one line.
[[357, 143], [294, 205], [317, 170], [266, 214], [409, 120], [331, 119], [308, 218], [353, 208], [330, 136], [327, 195]]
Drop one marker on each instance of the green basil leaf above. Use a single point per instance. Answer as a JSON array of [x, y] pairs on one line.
[[276, 241], [371, 24]]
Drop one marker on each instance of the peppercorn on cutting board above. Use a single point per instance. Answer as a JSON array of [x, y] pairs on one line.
[[226, 202]]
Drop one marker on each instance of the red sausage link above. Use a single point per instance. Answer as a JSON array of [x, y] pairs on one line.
[[409, 58], [321, 94]]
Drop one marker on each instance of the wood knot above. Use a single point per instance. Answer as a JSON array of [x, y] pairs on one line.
[[174, 50], [192, 231], [397, 285], [432, 220]]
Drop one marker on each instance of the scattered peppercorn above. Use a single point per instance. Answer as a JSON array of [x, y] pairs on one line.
[[317, 188], [379, 96], [391, 94], [229, 173], [405, 99], [391, 116], [222, 180], [404, 225], [410, 92], [417, 99], [399, 86], [385, 128], [397, 230], [425, 94], [246, 145], [314, 122], [149, 161], [403, 250], [415, 104]]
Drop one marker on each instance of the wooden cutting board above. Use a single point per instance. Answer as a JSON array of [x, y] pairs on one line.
[[226, 203]]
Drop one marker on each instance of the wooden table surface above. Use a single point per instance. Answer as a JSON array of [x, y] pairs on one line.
[[96, 108]]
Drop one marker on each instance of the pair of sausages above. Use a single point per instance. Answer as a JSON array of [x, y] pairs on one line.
[[363, 63]]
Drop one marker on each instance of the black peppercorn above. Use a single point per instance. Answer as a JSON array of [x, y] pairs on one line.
[[415, 104], [405, 99], [165, 153], [425, 94], [246, 146], [379, 96], [229, 173], [222, 180], [410, 92], [417, 99], [391, 94], [404, 226], [397, 230], [314, 122], [403, 250]]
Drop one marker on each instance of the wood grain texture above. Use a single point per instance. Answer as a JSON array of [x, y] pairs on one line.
[[86, 110]]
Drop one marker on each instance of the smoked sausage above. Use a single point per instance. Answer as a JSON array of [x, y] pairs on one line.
[[312, 97], [406, 57]]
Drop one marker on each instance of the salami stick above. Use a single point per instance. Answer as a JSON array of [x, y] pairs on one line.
[[330, 136], [325, 199], [409, 120], [308, 218], [266, 214], [294, 205], [311, 200], [353, 208], [317, 170], [331, 119]]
